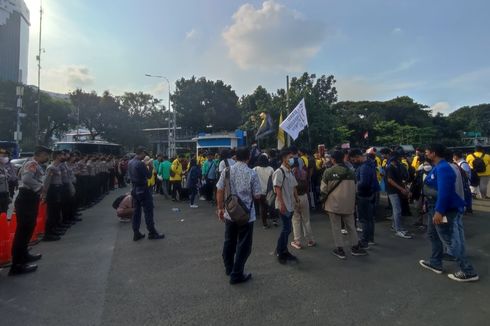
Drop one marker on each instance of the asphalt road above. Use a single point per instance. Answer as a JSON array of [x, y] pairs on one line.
[[98, 276]]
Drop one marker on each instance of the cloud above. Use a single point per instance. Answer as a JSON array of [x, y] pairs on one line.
[[441, 107], [272, 37], [190, 34], [66, 78], [396, 30]]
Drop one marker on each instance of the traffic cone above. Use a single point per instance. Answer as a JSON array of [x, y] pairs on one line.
[[5, 242], [41, 219]]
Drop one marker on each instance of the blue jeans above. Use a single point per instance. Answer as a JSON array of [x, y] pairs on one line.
[[193, 194], [396, 207], [448, 235], [237, 247], [142, 198], [282, 242], [365, 212]]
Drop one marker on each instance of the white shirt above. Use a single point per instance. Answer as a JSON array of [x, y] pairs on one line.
[[222, 165], [264, 175]]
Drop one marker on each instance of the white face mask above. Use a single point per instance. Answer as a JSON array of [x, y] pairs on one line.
[[4, 160], [427, 167]]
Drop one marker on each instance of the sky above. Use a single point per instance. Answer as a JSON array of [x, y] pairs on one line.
[[436, 52]]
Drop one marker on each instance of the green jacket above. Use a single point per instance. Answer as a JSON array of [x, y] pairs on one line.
[[164, 170], [339, 183]]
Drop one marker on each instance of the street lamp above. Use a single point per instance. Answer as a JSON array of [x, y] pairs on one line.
[[171, 140]]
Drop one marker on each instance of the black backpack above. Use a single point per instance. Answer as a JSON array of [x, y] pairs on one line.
[[479, 165], [118, 201]]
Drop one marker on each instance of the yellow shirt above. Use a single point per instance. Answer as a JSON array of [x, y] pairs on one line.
[[378, 167], [486, 159], [416, 162], [305, 160], [177, 171]]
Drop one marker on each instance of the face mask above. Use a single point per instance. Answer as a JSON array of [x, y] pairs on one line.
[[427, 167], [291, 161], [4, 160]]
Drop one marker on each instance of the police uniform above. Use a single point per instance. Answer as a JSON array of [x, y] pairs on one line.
[[66, 198], [83, 183], [26, 207], [54, 189]]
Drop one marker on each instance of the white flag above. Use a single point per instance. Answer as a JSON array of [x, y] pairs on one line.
[[296, 120]]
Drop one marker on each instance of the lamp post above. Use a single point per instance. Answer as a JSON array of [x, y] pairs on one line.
[[171, 140]]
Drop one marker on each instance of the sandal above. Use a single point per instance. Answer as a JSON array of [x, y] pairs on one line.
[[296, 244]]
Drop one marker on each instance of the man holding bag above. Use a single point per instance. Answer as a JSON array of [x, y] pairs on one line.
[[242, 183]]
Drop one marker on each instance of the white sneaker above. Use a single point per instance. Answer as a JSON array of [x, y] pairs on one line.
[[343, 231], [194, 206], [403, 234], [359, 229]]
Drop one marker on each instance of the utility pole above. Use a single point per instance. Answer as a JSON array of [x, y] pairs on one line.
[[19, 91], [39, 74], [288, 142]]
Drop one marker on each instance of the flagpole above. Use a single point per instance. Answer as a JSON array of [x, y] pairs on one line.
[[288, 139]]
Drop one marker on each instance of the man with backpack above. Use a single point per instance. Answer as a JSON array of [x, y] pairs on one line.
[[242, 182], [466, 174], [479, 162], [209, 172], [301, 214]]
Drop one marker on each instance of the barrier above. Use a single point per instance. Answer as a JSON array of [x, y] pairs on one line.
[[5, 242]]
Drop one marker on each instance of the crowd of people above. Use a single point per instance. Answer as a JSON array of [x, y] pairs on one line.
[[346, 184], [279, 188]]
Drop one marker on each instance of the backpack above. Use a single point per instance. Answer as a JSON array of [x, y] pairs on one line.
[[466, 186], [118, 201], [479, 165], [301, 175], [270, 196]]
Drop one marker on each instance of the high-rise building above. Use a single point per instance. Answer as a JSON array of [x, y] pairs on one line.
[[14, 40]]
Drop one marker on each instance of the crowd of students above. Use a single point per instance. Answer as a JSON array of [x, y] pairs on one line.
[[346, 184]]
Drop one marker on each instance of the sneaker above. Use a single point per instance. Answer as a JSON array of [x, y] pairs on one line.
[[343, 231], [296, 245], [275, 223], [364, 246], [428, 266], [463, 277], [290, 257], [372, 243], [403, 235], [194, 206], [266, 226], [359, 229], [339, 252], [311, 243], [358, 251]]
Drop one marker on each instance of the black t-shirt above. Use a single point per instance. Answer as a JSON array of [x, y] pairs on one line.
[[393, 172]]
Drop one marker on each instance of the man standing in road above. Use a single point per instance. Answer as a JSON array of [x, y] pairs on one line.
[[164, 174], [286, 198], [176, 171], [27, 206], [479, 162], [244, 183], [446, 206], [142, 197]]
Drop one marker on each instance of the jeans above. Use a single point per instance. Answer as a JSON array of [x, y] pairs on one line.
[[176, 188], [237, 247], [448, 235], [282, 242], [166, 187], [397, 212], [142, 198], [193, 194], [365, 211]]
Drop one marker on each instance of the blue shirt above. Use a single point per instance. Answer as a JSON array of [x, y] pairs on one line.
[[138, 173], [443, 179]]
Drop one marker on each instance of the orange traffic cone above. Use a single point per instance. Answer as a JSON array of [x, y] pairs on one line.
[[41, 219], [5, 242]]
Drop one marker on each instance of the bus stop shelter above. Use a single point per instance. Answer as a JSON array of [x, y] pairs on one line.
[[220, 140]]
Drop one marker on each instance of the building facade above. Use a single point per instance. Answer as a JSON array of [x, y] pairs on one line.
[[14, 40]]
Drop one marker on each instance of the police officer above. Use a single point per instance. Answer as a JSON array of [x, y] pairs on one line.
[[83, 180], [68, 191], [142, 197], [31, 191], [53, 184], [4, 181]]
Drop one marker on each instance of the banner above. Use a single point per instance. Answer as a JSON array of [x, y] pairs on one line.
[[281, 136], [296, 120], [265, 127]]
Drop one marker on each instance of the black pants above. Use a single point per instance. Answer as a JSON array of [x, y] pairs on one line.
[[26, 206], [4, 202], [67, 205], [53, 200], [120, 180], [112, 179], [237, 247], [176, 187], [210, 185]]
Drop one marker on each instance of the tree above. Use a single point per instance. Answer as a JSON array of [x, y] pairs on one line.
[[201, 102]]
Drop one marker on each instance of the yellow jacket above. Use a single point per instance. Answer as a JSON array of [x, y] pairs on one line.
[[486, 159], [416, 162], [177, 171]]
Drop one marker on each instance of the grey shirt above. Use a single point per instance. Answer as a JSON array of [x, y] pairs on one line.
[[53, 176], [287, 182], [65, 173], [31, 176]]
